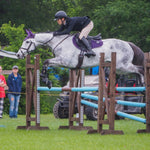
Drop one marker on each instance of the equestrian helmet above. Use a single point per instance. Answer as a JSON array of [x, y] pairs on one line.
[[60, 14]]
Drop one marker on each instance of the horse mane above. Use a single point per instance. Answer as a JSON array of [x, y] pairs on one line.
[[44, 32]]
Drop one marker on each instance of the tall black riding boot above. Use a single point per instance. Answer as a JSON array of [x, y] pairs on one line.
[[89, 49]]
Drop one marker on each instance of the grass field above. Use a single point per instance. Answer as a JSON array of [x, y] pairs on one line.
[[55, 139]]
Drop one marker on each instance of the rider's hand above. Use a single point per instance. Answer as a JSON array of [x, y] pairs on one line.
[[55, 33]]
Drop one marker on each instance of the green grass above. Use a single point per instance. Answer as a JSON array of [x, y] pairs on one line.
[[55, 139]]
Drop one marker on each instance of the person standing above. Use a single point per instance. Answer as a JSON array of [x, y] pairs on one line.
[[14, 83], [2, 91]]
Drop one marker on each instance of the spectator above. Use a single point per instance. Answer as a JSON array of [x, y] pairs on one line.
[[14, 83], [2, 91]]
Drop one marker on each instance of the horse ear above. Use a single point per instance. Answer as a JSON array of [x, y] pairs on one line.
[[30, 33], [27, 31]]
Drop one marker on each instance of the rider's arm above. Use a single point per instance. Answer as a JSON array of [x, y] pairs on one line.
[[61, 28], [69, 28]]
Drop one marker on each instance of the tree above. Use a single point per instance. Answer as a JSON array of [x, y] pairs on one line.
[[126, 20]]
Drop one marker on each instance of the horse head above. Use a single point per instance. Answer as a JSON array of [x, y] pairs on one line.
[[28, 45], [32, 41]]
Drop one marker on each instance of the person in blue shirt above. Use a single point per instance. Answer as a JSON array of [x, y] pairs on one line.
[[14, 83], [82, 24]]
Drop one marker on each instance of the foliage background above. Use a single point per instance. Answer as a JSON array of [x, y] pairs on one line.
[[127, 20]]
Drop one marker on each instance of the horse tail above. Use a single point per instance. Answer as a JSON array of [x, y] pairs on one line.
[[138, 58]]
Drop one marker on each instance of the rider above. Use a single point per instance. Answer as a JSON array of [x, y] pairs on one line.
[[82, 24]]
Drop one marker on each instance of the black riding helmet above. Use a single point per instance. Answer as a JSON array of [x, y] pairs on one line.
[[60, 14]]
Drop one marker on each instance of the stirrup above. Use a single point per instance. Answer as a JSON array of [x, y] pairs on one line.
[[88, 54]]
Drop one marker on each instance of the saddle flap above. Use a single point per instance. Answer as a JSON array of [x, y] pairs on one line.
[[94, 42]]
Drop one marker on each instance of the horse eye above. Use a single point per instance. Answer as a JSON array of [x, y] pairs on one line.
[[27, 42]]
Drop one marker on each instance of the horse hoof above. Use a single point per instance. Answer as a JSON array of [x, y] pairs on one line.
[[89, 55], [49, 84], [46, 62], [42, 75]]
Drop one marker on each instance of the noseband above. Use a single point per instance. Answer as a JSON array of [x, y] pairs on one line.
[[27, 49]]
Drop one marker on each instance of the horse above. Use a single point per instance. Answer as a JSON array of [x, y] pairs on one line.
[[129, 58]]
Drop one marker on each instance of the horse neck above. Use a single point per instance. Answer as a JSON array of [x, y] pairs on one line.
[[43, 38], [57, 40], [49, 40]]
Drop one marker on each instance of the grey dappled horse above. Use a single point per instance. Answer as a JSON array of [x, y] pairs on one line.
[[130, 58]]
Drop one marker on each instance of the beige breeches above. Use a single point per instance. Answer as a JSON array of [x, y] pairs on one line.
[[85, 31]]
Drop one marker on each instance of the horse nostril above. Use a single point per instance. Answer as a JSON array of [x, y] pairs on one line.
[[17, 55]]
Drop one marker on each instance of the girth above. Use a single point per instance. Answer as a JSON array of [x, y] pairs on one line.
[[80, 60]]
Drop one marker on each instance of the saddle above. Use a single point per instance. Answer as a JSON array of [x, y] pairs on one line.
[[94, 41]]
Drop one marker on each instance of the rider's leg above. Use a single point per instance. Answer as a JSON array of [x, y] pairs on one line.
[[89, 49], [83, 35]]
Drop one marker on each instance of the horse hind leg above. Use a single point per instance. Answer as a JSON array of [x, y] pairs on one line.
[[141, 73], [136, 69]]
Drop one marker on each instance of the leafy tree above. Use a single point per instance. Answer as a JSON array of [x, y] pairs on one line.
[[126, 20]]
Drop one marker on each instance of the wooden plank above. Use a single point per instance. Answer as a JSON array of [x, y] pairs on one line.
[[101, 105], [31, 66], [71, 79], [107, 64], [75, 119], [112, 91], [147, 85], [28, 100]]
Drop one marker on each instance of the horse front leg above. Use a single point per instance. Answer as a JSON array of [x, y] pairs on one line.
[[44, 75], [54, 62]]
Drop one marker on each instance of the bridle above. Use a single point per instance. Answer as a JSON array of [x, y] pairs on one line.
[[44, 43], [27, 49]]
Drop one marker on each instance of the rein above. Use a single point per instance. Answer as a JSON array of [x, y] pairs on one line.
[[57, 43], [27, 49], [60, 42]]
